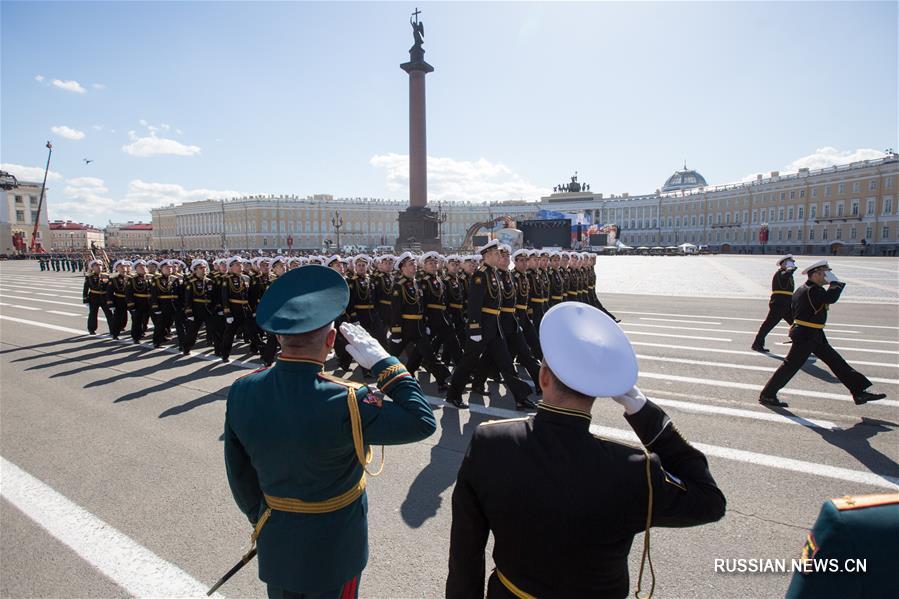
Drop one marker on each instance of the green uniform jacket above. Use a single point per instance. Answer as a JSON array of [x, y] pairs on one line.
[[870, 531], [287, 434]]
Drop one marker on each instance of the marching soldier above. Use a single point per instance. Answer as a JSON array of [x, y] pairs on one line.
[[408, 326], [556, 280], [95, 295], [362, 291], [199, 294], [271, 346], [810, 304], [485, 337], [580, 549], [524, 307], [454, 282], [118, 295], [297, 441], [592, 297], [435, 300], [235, 302], [537, 300], [137, 295], [164, 307], [267, 344], [382, 292], [780, 304], [344, 360], [848, 530]]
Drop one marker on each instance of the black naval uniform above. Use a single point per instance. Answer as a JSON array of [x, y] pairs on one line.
[[382, 283], [455, 304], [407, 327], [586, 499], [810, 304], [779, 306], [199, 295], [537, 299], [556, 286], [524, 310], [362, 308], [235, 300], [483, 320], [138, 297], [434, 298], [95, 295], [165, 294], [117, 293]]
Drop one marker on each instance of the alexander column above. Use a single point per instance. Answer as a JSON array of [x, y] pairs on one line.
[[418, 223]]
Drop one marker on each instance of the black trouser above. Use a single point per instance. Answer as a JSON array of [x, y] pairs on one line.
[[242, 321], [344, 359], [495, 350], [139, 319], [778, 309], [530, 333], [421, 352], [270, 348], [805, 343], [202, 315], [119, 317], [169, 314], [443, 336], [96, 303], [518, 349], [457, 322]]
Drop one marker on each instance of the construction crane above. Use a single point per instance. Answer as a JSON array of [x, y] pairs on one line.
[[473, 229], [37, 219]]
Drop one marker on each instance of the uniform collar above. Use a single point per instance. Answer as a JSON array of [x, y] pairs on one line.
[[303, 363], [564, 416]]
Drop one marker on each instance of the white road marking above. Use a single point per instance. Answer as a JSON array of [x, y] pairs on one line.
[[740, 352], [751, 387], [37, 299], [768, 369], [23, 307], [130, 565], [722, 339], [699, 408], [63, 313], [778, 330], [674, 320], [758, 320], [727, 453]]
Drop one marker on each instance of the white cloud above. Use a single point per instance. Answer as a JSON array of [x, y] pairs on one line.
[[157, 146], [97, 127], [87, 199], [67, 132], [452, 180], [28, 173], [39, 78], [98, 86], [823, 158], [70, 86], [165, 126], [143, 122], [178, 131]]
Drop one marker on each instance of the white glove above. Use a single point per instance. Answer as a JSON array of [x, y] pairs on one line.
[[790, 264], [157, 312], [427, 330], [364, 348], [830, 277], [190, 318], [229, 320], [475, 338], [632, 401]]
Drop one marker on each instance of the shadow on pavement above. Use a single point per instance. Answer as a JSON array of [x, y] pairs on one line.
[[423, 499]]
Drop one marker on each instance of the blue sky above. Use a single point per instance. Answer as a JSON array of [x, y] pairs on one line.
[[182, 101]]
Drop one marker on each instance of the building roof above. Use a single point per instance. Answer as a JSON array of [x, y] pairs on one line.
[[137, 227], [68, 225], [685, 179]]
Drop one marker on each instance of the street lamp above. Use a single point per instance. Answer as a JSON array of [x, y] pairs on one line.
[[337, 223], [441, 218]]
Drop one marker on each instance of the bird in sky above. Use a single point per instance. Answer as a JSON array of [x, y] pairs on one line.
[[86, 161]]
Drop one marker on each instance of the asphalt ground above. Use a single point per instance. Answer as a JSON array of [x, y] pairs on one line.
[[130, 438]]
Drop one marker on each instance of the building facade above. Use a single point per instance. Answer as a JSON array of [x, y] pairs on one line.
[[849, 208], [18, 212], [67, 236], [310, 223], [129, 236]]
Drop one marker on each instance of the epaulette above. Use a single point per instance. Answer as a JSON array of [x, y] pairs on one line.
[[505, 421], [339, 381], [482, 268], [854, 502], [254, 372]]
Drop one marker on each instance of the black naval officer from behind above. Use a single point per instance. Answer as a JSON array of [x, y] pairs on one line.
[[810, 304], [296, 439], [586, 496], [780, 304]]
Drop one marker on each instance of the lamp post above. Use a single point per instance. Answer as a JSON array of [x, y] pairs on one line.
[[337, 223], [224, 239], [441, 218]]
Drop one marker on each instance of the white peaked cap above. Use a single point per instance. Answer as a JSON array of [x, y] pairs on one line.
[[587, 350], [816, 265]]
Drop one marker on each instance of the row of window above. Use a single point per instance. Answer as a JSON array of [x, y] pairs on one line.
[[814, 234]]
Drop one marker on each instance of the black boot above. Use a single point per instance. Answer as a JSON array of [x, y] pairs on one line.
[[771, 400], [863, 397]]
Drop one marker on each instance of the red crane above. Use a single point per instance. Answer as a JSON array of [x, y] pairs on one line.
[[37, 219]]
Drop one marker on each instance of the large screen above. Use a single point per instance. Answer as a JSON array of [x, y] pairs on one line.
[[554, 232]]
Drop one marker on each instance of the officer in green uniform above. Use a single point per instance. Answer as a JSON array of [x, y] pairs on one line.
[[297, 440], [863, 527]]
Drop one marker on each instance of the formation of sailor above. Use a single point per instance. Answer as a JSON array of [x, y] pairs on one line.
[[809, 306], [612, 491]]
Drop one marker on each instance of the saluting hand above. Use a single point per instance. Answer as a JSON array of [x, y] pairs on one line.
[[364, 348], [632, 401]]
